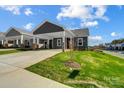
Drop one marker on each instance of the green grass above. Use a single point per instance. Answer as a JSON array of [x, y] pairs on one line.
[[97, 69], [8, 52]]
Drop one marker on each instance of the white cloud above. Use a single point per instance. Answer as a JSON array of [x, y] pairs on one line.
[[100, 12], [87, 14], [28, 26], [74, 12], [82, 12], [28, 11], [96, 38], [12, 8], [114, 34], [89, 24]]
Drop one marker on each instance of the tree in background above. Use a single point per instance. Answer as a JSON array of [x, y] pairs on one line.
[[118, 41]]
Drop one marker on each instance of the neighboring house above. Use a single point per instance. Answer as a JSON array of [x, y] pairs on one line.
[[110, 46], [47, 35]]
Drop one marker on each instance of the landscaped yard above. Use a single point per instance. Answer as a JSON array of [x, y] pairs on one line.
[[8, 52], [97, 69]]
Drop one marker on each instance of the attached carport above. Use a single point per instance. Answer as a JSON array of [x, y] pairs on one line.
[[20, 38]]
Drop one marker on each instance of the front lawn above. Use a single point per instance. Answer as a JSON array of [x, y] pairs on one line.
[[97, 69], [15, 50], [8, 52]]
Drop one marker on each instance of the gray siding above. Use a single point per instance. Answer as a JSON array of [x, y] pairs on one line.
[[55, 43], [48, 27], [85, 43], [12, 32]]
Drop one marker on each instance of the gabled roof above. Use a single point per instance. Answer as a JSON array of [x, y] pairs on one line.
[[47, 27], [81, 32], [21, 31]]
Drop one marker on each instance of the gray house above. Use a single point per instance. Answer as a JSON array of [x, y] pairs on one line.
[[56, 36], [46, 35], [110, 46]]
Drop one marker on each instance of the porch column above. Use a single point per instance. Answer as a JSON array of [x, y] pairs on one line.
[[2, 42], [48, 43], [34, 43], [37, 42], [63, 43], [71, 43], [34, 40], [6, 43], [22, 38], [17, 42]]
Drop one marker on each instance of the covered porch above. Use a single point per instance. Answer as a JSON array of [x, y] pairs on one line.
[[22, 41], [57, 40]]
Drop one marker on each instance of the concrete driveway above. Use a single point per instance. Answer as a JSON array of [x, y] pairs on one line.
[[115, 53], [13, 74]]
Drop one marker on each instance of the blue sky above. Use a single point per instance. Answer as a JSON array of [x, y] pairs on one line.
[[105, 23]]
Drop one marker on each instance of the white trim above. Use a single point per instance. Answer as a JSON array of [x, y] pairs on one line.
[[60, 42], [78, 41]]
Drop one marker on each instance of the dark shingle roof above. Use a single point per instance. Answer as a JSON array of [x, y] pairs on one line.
[[81, 32], [47, 27], [21, 31]]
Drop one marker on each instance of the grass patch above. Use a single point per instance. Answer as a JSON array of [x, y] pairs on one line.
[[8, 52], [102, 69]]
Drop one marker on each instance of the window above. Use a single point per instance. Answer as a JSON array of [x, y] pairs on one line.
[[80, 42], [59, 41]]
